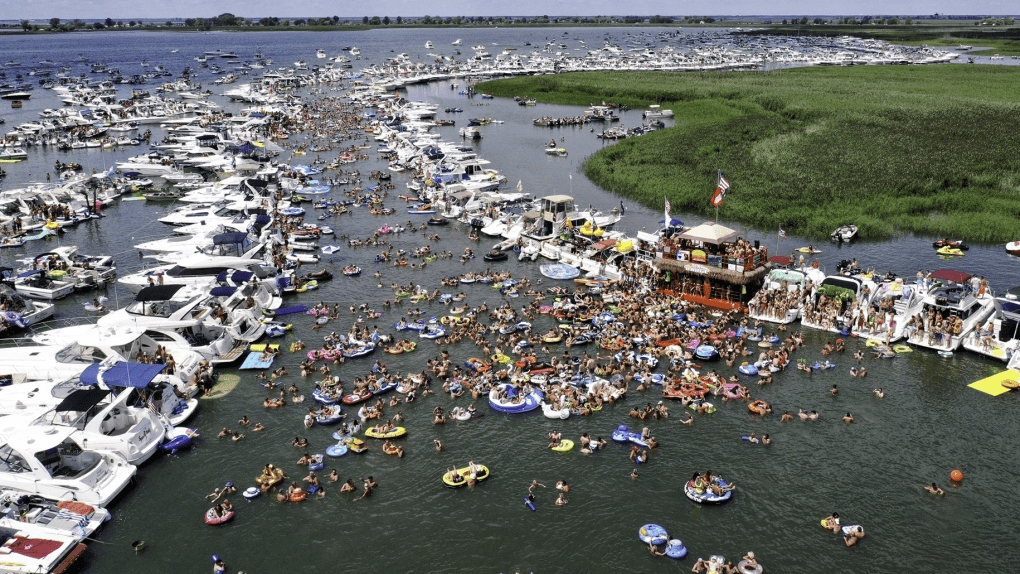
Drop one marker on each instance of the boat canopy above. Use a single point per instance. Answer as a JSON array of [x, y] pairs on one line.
[[157, 293], [230, 238], [123, 374], [951, 275], [223, 291], [710, 233], [82, 400]]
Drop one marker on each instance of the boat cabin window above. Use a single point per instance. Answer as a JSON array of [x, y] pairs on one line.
[[11, 461], [178, 271]]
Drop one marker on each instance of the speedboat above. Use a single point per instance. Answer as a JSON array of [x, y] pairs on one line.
[[45, 460], [999, 336], [39, 284], [950, 300], [21, 312]]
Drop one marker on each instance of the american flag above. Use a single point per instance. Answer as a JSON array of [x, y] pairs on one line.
[[782, 232], [720, 191]]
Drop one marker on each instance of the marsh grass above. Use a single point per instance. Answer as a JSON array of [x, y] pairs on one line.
[[892, 149]]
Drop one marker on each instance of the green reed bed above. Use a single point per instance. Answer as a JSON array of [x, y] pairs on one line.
[[892, 149]]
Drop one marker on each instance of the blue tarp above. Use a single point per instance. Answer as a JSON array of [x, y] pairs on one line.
[[123, 374]]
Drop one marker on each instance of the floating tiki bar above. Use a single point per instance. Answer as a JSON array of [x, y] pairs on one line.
[[709, 264]]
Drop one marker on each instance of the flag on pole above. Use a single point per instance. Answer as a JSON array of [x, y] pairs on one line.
[[720, 191], [668, 207], [782, 232]]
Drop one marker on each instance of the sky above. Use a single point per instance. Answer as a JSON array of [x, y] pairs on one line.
[[122, 9]]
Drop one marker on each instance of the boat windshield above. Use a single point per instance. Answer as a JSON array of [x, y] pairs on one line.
[[11, 461], [77, 353]]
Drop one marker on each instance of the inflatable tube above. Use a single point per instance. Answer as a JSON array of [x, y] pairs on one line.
[[213, 520], [251, 493], [317, 464], [298, 496], [336, 450], [748, 369], [676, 549], [707, 497], [375, 433], [758, 407], [744, 567], [653, 534]]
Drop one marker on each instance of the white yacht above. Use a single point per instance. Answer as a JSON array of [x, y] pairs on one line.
[[999, 336], [951, 310], [780, 297], [32, 548], [68, 517], [104, 423], [218, 325], [199, 270], [895, 303], [837, 304], [47, 461]]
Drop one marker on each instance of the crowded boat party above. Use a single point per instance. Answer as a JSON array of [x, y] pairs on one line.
[[308, 226]]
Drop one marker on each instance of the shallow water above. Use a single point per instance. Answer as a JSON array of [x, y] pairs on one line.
[[871, 471]]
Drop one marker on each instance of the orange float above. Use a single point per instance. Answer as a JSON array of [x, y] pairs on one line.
[[956, 475]]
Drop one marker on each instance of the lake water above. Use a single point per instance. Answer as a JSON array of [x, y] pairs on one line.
[[871, 472]]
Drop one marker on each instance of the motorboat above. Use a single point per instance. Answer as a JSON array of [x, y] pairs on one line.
[[68, 517], [105, 423], [951, 310], [39, 284], [656, 111], [199, 270], [66, 352], [844, 233], [894, 304], [837, 303], [45, 460], [32, 548], [218, 324], [779, 299], [21, 312], [999, 336]]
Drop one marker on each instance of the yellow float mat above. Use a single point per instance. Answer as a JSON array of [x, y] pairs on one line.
[[261, 347], [993, 385]]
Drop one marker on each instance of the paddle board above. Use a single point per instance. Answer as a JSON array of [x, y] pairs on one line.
[[808, 250], [529, 504], [225, 384]]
